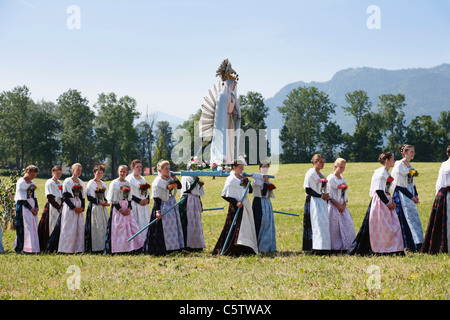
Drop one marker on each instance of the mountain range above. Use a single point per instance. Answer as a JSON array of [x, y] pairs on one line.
[[426, 90]]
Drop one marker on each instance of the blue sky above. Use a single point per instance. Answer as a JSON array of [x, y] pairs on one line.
[[165, 53]]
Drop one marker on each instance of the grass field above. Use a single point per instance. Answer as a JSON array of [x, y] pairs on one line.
[[288, 274]]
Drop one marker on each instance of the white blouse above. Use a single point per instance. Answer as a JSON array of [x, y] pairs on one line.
[[135, 184], [258, 185], [333, 188], [233, 188], [312, 180], [186, 182], [21, 189], [443, 179], [92, 186], [69, 184], [160, 190], [115, 192], [400, 174], [379, 180], [52, 187]]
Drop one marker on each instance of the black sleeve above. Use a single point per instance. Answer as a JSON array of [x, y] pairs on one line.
[[312, 193], [92, 199], [382, 196], [27, 205], [178, 182], [117, 206], [405, 192], [66, 199], [157, 203], [264, 189], [82, 203], [36, 206], [250, 189], [136, 199], [233, 201], [52, 201], [415, 192]]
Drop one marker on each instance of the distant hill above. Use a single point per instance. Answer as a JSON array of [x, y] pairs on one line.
[[427, 91], [174, 121]]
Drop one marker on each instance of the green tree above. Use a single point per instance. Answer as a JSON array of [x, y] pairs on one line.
[[146, 139], [422, 133], [443, 134], [365, 145], [164, 144], [116, 137], [253, 114], [15, 126], [77, 140], [305, 113], [391, 110], [359, 104], [44, 143]]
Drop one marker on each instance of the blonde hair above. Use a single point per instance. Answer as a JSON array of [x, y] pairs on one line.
[[122, 166], [75, 165], [161, 164], [339, 161]]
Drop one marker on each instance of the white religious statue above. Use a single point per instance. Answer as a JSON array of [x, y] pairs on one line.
[[221, 117]]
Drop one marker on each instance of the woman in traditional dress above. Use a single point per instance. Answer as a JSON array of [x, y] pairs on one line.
[[380, 232], [96, 214], [263, 211], [121, 224], [68, 234], [140, 196], [52, 209], [191, 209], [238, 238], [166, 234], [342, 229], [27, 209], [406, 199], [316, 225], [437, 236]]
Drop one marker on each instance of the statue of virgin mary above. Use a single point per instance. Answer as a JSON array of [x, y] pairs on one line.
[[221, 117]]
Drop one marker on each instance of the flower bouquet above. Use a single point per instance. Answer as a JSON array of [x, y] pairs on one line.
[[271, 186], [76, 190], [324, 182], [30, 191], [244, 182], [343, 187], [143, 188], [125, 192], [100, 193]]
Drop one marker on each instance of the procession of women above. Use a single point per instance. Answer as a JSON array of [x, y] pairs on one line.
[[120, 219]]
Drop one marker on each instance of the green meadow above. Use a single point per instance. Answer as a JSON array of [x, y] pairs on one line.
[[289, 274]]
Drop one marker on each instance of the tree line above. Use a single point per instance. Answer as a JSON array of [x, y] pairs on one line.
[[308, 128], [69, 131]]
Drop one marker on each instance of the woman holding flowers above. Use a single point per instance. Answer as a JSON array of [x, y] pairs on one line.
[[437, 236], [191, 208], [140, 196], [96, 214], [342, 230], [406, 199], [52, 209], [27, 209], [316, 225], [242, 239], [121, 224], [68, 234], [262, 209], [380, 232], [166, 234]]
